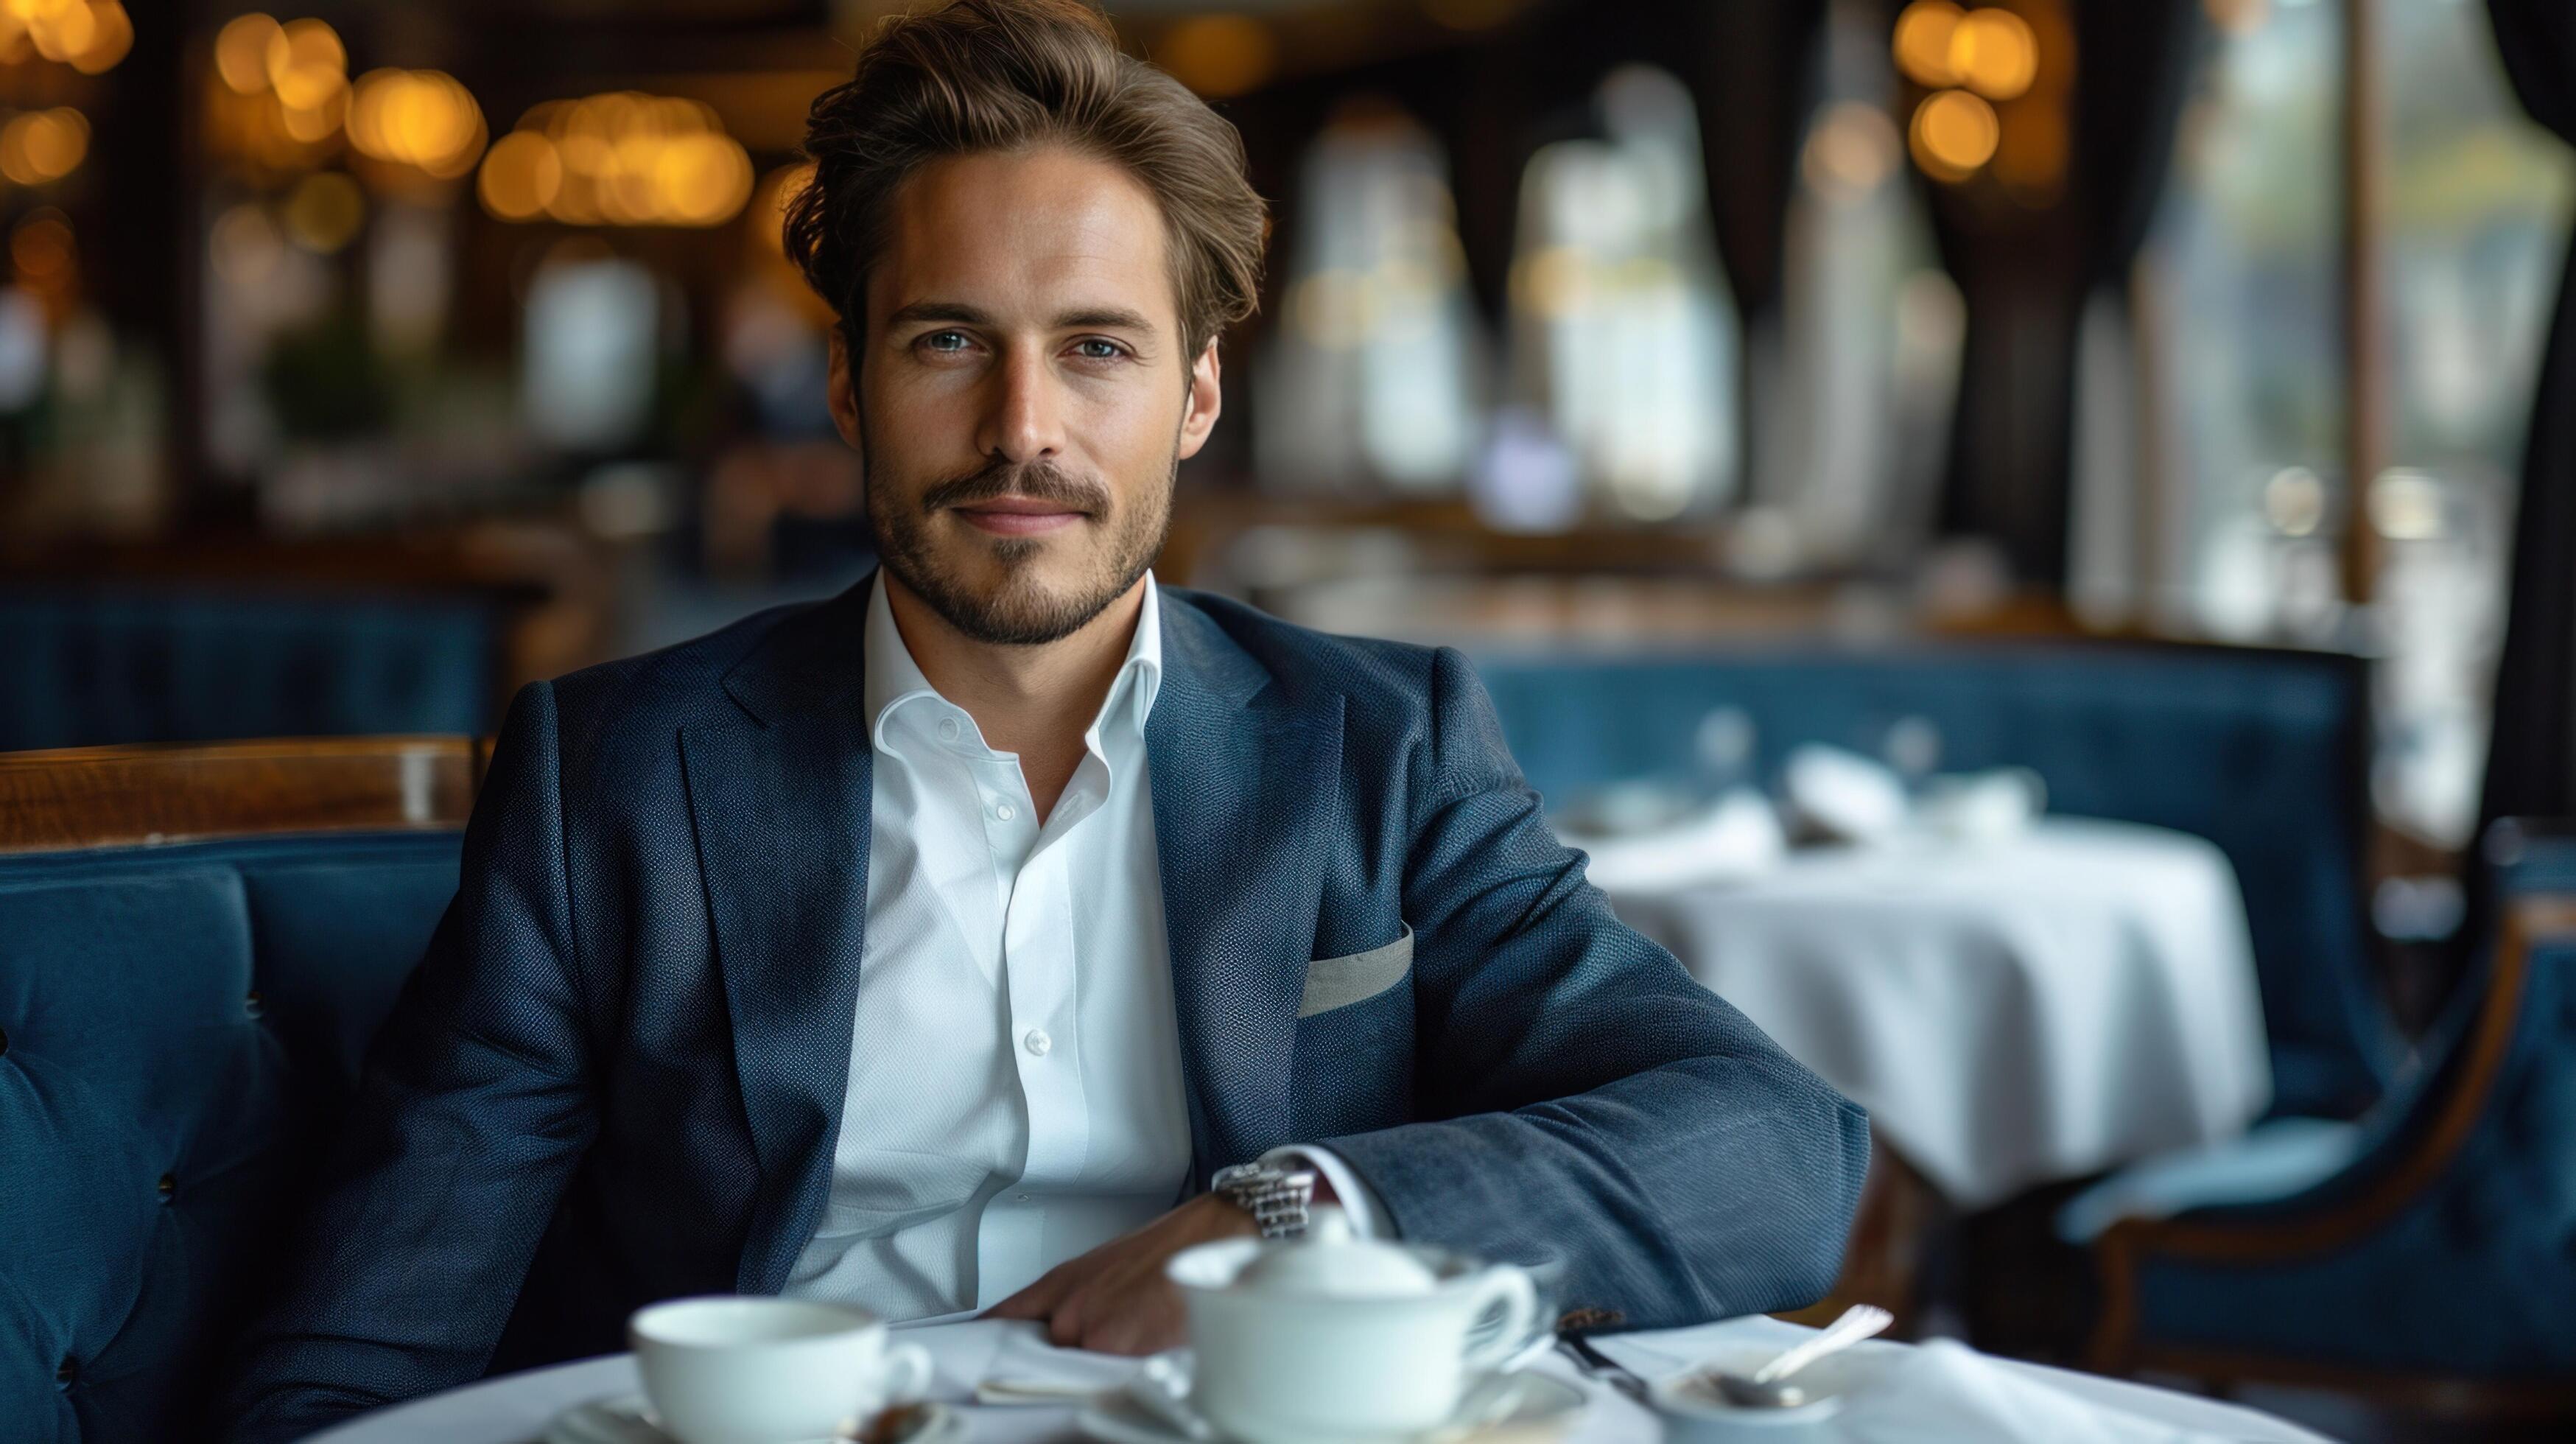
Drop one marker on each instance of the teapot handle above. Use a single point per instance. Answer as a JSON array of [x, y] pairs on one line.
[[1512, 1289]]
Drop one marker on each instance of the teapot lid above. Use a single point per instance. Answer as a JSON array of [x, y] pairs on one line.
[[1330, 1262]]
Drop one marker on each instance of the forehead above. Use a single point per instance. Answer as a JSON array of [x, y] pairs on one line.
[[1034, 231]]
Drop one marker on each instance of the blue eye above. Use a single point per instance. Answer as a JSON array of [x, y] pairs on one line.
[[1108, 350], [940, 340]]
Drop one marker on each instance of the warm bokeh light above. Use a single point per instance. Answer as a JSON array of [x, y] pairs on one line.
[[91, 36], [2238, 17], [325, 211], [779, 190], [623, 158], [42, 251], [521, 176], [1994, 53], [305, 63], [244, 247], [1852, 150], [241, 52], [421, 118], [1954, 134], [41, 146], [1923, 35], [1219, 55]]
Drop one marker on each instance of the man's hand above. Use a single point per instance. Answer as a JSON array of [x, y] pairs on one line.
[[1115, 1299]]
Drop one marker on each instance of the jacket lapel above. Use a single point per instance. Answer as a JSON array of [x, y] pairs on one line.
[[1243, 787], [780, 794]]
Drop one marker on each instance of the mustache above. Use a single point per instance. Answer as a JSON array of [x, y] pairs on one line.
[[1037, 480]]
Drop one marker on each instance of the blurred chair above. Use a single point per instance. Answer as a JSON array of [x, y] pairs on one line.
[[196, 946], [251, 637], [2432, 1258], [2263, 752]]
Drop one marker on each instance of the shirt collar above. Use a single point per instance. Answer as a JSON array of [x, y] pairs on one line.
[[893, 678]]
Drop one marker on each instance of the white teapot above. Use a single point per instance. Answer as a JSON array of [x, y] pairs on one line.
[[1341, 1339]]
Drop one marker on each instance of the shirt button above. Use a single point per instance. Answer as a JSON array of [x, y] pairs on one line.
[[948, 729], [1005, 811], [1037, 1042]]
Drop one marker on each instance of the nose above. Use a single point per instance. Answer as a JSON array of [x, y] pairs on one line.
[[1023, 416]]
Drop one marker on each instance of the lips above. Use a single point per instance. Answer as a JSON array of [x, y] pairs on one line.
[[1019, 515]]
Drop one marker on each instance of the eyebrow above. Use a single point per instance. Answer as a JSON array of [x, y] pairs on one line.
[[1105, 318]]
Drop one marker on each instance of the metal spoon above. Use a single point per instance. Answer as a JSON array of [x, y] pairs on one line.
[[1768, 1387]]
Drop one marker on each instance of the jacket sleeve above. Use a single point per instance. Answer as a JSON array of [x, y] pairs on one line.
[[1587, 1099], [473, 1108]]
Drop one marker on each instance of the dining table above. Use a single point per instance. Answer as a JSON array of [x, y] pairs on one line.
[[2046, 1003], [1896, 1393]]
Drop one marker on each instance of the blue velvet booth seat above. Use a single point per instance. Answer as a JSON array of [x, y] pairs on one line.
[[179, 1028], [2434, 1253], [2263, 752], [101, 663]]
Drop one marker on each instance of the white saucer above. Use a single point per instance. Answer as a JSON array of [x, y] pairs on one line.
[[1546, 1406], [627, 1419]]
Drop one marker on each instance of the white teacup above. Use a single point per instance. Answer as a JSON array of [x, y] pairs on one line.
[[735, 1370], [1338, 1353]]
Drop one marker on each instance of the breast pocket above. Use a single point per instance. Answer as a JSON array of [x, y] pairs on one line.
[[1354, 1068], [1340, 982]]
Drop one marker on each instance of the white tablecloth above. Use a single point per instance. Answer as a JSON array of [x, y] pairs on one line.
[[2011, 1012], [515, 1409]]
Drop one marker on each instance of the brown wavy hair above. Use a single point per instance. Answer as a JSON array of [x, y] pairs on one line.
[[978, 76]]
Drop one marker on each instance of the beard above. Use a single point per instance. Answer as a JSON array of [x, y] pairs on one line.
[[1108, 550]]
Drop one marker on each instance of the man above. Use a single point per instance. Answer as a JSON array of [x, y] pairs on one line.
[[983, 936]]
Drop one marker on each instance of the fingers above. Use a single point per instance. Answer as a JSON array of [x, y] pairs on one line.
[[1039, 1299]]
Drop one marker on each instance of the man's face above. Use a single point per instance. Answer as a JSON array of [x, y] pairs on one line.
[[1023, 396]]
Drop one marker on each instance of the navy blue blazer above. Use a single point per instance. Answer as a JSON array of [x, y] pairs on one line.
[[617, 1076]]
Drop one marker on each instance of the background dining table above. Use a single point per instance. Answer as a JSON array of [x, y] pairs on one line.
[[1912, 1395], [2013, 1010]]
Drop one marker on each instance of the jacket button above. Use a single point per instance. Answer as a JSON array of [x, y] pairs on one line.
[[168, 1186], [68, 1372], [250, 1005], [4, 1041]]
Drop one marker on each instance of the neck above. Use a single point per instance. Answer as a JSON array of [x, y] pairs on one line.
[[1032, 700]]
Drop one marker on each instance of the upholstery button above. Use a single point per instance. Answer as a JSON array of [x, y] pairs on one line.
[[250, 1004], [1037, 1042], [168, 1187], [69, 1371]]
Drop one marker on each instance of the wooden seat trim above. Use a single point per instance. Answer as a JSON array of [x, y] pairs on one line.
[[83, 797]]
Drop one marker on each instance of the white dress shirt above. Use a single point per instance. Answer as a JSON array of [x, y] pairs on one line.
[[1015, 1094]]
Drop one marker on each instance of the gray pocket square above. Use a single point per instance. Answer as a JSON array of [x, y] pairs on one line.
[[1339, 982]]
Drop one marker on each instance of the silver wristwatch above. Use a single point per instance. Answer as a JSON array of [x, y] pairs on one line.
[[1277, 1198]]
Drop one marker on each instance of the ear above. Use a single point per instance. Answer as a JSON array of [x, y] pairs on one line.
[[1206, 400], [843, 391]]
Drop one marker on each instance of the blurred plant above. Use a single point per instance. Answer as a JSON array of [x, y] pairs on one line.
[[325, 382]]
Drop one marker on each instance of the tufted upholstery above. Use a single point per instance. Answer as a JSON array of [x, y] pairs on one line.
[[2472, 1274], [94, 665], [181, 1025], [2261, 752]]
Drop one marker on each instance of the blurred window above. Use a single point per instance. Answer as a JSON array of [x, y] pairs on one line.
[[1372, 379], [1623, 334], [590, 352], [1869, 363], [2242, 280], [2477, 219], [2245, 282]]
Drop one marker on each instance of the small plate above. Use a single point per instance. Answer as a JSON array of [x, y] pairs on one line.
[[627, 1419], [1546, 1405]]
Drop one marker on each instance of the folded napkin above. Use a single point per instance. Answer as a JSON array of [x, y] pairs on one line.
[[1736, 835], [963, 1355]]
